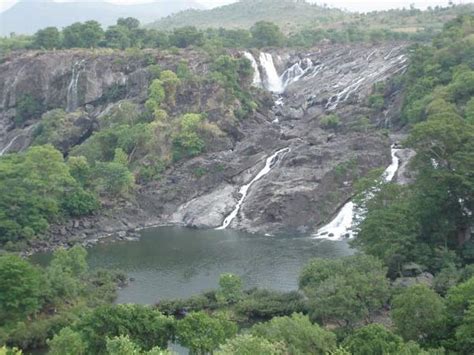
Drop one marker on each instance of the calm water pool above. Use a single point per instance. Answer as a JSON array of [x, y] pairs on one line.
[[170, 262]]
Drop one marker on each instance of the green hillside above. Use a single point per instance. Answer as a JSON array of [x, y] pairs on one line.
[[289, 15], [292, 15]]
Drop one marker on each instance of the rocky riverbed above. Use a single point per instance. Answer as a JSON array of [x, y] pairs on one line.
[[304, 187]]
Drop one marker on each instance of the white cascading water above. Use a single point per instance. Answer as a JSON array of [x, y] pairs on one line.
[[343, 95], [8, 146], [257, 78], [72, 90], [341, 226], [269, 78], [270, 163], [296, 72], [272, 81]]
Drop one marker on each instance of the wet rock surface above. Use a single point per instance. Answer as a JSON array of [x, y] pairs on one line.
[[302, 190]]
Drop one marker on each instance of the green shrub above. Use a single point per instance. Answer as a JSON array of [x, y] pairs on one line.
[[27, 107], [80, 203], [330, 122], [265, 304]]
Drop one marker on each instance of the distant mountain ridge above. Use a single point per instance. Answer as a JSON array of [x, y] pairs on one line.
[[28, 16], [294, 15], [288, 14]]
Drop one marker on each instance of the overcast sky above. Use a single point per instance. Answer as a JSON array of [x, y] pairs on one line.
[[354, 5]]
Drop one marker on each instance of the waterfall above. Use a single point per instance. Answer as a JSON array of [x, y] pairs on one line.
[[269, 164], [8, 146], [296, 72], [72, 90], [343, 95], [272, 81], [341, 225], [257, 78], [268, 77]]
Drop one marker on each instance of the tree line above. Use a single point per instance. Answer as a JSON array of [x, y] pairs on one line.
[[127, 33]]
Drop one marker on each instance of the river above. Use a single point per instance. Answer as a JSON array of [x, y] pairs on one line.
[[171, 262]]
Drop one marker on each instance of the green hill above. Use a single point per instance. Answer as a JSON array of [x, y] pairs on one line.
[[294, 15], [289, 15]]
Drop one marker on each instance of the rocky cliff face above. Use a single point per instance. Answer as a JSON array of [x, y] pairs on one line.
[[304, 187]]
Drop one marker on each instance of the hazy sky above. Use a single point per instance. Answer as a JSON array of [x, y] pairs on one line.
[[355, 5]]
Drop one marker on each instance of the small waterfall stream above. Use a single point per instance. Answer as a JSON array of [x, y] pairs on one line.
[[257, 78], [341, 226], [8, 146], [272, 80], [270, 163], [266, 75], [72, 90]]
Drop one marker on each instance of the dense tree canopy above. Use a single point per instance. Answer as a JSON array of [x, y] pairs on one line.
[[345, 290]]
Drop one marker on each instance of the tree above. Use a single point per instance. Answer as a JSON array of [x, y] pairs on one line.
[[330, 122], [457, 300], [418, 313], [83, 35], [128, 22], [230, 288], [465, 332], [65, 273], [382, 235], [246, 344], [202, 333], [122, 345], [345, 290], [21, 286], [72, 36], [27, 107], [445, 188], [9, 351], [117, 37], [170, 83], [188, 142], [67, 342], [298, 334], [266, 34], [156, 96], [470, 111], [47, 38], [33, 188], [91, 34], [114, 179], [186, 36], [144, 326], [373, 339]]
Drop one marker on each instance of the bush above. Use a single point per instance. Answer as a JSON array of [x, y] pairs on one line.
[[266, 34], [230, 288], [418, 313], [373, 339], [330, 122], [21, 288], [67, 342], [202, 333], [266, 304], [298, 334], [27, 107], [206, 301], [80, 203], [145, 326]]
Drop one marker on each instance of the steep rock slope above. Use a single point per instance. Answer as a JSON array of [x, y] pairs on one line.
[[305, 184]]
